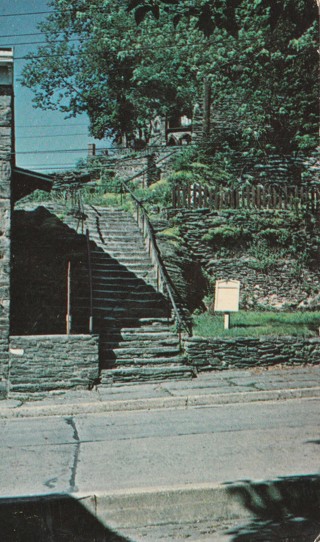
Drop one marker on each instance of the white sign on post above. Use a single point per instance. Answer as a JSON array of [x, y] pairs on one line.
[[227, 298]]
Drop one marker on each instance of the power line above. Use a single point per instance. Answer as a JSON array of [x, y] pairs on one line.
[[50, 151], [48, 125], [98, 149], [136, 50], [20, 35], [38, 42], [26, 13], [50, 136]]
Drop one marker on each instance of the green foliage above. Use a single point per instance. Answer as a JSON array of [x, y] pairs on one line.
[[265, 259], [173, 232], [156, 195], [257, 324], [275, 237], [226, 235], [267, 237], [260, 59], [96, 61]]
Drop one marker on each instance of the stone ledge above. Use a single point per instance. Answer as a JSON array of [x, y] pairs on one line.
[[243, 352], [48, 362]]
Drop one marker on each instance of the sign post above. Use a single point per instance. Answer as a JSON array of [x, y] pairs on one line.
[[227, 297]]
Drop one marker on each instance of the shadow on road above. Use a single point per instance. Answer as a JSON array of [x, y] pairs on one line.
[[54, 518], [285, 510]]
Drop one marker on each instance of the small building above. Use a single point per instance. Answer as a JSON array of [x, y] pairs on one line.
[[16, 183]]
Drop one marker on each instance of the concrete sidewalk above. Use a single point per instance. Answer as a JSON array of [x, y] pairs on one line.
[[214, 388]]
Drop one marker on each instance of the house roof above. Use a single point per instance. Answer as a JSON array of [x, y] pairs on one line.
[[24, 182]]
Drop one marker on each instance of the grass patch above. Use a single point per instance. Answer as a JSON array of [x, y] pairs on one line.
[[256, 324]]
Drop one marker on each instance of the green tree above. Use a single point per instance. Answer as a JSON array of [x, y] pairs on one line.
[[95, 60], [263, 75]]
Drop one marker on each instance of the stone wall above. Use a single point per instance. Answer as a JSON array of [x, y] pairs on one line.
[[246, 352], [157, 163], [223, 241], [6, 160], [48, 362]]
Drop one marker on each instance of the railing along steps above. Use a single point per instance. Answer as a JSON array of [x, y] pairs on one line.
[[133, 319]]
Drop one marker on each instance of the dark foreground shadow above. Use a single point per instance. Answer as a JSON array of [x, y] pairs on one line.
[[54, 518], [285, 510]]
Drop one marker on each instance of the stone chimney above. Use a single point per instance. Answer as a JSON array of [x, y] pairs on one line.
[[6, 163]]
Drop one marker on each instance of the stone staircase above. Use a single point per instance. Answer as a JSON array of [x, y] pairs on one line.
[[137, 338]]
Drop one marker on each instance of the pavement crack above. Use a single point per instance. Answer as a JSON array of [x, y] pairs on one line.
[[165, 390], [71, 422], [72, 483]]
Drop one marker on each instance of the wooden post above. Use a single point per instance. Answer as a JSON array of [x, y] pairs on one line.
[[227, 320], [68, 315]]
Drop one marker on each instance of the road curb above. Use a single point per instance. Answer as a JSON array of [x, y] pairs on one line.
[[155, 506], [235, 502], [154, 403]]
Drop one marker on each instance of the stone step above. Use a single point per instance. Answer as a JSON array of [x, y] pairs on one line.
[[127, 291], [161, 328], [139, 361], [129, 305], [115, 227], [112, 227], [105, 291], [119, 299], [129, 255], [155, 345], [124, 273], [121, 242], [122, 355], [116, 323], [146, 374], [124, 295], [116, 265], [141, 336], [101, 270], [115, 313], [114, 230], [119, 310], [99, 276], [108, 262], [144, 279]]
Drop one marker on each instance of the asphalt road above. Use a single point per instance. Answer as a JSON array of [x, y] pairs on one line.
[[165, 448]]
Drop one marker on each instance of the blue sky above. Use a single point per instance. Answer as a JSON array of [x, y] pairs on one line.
[[45, 140]]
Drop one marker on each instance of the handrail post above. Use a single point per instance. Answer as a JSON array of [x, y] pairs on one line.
[[90, 282], [68, 315]]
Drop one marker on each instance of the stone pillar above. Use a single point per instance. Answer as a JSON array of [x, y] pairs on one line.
[[6, 162]]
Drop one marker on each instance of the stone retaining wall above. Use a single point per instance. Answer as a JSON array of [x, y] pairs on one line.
[[283, 287], [49, 362], [244, 352], [266, 282]]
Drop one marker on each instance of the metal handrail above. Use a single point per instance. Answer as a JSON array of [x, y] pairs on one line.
[[90, 281], [163, 280]]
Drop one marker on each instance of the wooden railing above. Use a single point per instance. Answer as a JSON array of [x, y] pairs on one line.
[[251, 197], [162, 278]]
